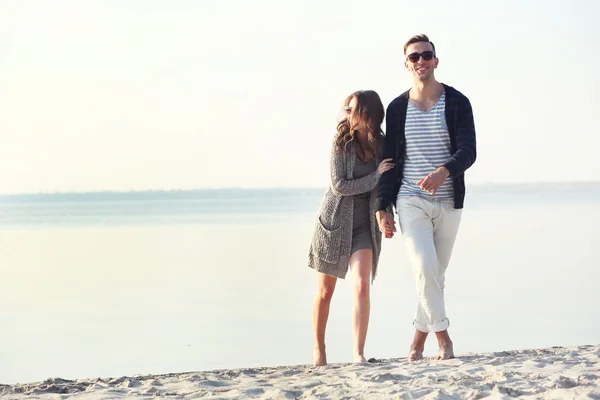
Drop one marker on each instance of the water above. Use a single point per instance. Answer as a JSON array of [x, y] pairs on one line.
[[112, 284]]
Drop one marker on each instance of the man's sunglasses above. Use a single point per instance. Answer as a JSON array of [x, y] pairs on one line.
[[414, 57]]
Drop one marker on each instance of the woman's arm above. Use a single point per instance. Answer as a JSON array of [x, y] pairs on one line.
[[348, 187]]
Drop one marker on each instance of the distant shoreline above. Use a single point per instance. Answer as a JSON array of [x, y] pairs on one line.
[[156, 194]]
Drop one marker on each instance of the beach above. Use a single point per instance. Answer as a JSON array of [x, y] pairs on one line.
[[552, 373], [129, 285], [165, 166]]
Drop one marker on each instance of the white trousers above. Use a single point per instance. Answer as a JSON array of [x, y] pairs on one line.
[[429, 228]]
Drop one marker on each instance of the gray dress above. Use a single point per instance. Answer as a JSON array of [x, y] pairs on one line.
[[361, 227], [330, 247]]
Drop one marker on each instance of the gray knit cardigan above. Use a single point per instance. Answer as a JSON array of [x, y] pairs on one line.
[[332, 236]]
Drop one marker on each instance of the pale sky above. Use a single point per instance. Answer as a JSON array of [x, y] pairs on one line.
[[132, 95]]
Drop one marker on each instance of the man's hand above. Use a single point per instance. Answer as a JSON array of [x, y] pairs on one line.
[[386, 222], [432, 182]]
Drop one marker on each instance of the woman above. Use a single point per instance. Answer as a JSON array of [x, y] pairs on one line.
[[346, 231]]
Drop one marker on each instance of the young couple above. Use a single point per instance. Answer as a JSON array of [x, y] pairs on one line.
[[418, 168]]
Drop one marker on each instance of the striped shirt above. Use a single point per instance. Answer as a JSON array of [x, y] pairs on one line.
[[427, 148]]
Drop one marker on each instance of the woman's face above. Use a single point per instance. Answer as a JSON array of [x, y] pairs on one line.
[[350, 109]]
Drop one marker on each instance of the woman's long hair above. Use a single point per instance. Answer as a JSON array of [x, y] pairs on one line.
[[367, 117]]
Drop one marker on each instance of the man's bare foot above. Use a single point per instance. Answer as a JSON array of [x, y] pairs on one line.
[[445, 352], [417, 346], [319, 357], [416, 353], [359, 358]]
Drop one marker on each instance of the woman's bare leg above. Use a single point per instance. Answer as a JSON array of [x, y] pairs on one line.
[[361, 263], [325, 288]]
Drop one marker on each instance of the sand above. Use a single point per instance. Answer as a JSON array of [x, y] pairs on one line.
[[554, 373]]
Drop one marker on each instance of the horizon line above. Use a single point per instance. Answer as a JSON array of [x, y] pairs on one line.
[[117, 191]]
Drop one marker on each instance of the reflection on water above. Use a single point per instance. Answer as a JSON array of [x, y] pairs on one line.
[[98, 297]]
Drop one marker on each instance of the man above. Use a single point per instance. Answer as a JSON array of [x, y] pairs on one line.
[[430, 134]]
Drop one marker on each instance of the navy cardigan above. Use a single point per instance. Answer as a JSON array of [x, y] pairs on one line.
[[461, 128]]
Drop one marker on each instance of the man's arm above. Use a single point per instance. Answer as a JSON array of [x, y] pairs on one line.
[[466, 152], [387, 182]]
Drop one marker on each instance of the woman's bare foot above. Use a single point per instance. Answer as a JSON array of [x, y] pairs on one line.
[[319, 357], [416, 353], [445, 352], [359, 358]]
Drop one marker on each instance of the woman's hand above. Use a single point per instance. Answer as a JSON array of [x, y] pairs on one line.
[[385, 166], [386, 222]]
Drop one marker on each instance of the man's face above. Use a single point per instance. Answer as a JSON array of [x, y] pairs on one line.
[[419, 67]]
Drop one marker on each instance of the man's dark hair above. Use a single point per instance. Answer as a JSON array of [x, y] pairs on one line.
[[419, 38]]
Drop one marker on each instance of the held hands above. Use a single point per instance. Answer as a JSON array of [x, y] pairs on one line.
[[386, 222], [432, 182], [385, 166]]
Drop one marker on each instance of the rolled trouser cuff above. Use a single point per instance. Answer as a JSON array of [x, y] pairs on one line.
[[440, 326]]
